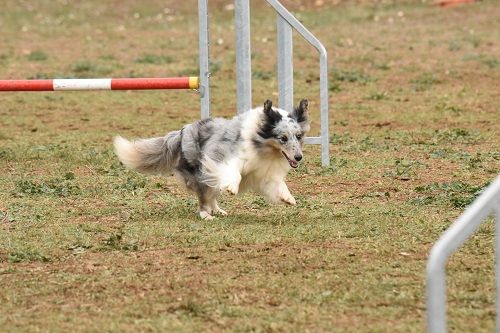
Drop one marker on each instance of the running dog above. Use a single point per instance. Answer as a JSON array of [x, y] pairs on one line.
[[252, 151]]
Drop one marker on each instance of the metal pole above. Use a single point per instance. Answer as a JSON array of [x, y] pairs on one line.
[[497, 264], [243, 55], [191, 82], [204, 59], [447, 244], [285, 64], [323, 81], [436, 295], [311, 39]]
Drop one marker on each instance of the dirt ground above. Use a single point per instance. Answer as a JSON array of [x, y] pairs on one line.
[[88, 246]]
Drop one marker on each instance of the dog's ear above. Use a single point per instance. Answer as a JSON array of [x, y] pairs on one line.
[[268, 106], [301, 114], [272, 115]]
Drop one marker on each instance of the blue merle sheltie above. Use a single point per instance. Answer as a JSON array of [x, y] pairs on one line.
[[253, 151]]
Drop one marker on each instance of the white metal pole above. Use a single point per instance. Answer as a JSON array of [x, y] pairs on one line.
[[285, 63], [243, 55], [204, 59], [311, 39], [497, 263], [448, 243]]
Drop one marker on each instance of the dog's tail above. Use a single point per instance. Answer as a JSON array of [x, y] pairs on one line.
[[150, 156]]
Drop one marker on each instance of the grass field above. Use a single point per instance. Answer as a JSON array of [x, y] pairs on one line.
[[87, 246]]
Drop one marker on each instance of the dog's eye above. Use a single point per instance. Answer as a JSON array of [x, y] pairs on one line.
[[284, 139], [299, 136]]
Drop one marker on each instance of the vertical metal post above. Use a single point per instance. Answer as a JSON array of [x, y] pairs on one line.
[[436, 292], [323, 92], [204, 59], [285, 63], [497, 264], [243, 55], [449, 242]]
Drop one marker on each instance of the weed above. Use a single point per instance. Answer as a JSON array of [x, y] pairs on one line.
[[133, 184], [215, 66], [259, 203], [58, 187], [340, 139], [458, 194], [39, 76], [83, 66], [191, 308], [79, 248], [404, 169], [461, 135], [384, 67], [37, 56], [188, 72], [491, 62], [133, 74], [154, 59], [6, 154], [261, 75], [378, 96], [107, 57], [116, 242], [454, 46], [366, 143], [445, 107], [334, 87], [474, 41], [335, 164], [425, 81], [351, 76], [27, 256], [9, 270]]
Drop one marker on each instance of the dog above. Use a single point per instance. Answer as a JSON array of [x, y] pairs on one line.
[[253, 151]]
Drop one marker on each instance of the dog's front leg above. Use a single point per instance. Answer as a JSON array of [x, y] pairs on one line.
[[277, 191], [231, 176], [232, 186]]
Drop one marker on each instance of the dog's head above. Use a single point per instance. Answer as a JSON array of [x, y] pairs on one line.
[[284, 131]]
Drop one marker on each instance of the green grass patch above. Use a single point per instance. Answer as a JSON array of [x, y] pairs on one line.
[[37, 56], [154, 59]]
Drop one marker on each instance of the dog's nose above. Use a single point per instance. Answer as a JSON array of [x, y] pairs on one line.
[[298, 157]]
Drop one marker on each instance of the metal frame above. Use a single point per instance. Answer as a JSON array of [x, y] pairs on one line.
[[204, 43], [286, 87], [243, 56], [285, 22], [486, 204], [285, 63]]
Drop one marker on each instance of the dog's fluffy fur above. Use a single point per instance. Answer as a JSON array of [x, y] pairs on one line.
[[253, 151]]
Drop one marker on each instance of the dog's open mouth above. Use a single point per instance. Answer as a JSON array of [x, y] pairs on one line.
[[293, 164]]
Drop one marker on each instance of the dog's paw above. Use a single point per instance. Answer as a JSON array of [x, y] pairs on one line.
[[232, 189], [220, 211], [204, 215], [289, 199]]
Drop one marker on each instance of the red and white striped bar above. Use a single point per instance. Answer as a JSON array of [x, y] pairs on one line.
[[191, 82]]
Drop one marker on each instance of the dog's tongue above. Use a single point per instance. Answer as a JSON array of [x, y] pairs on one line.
[[293, 164]]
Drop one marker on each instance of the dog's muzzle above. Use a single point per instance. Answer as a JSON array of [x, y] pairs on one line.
[[294, 164]]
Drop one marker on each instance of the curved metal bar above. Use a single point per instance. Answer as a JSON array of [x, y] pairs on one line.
[[203, 43], [448, 243], [323, 67]]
